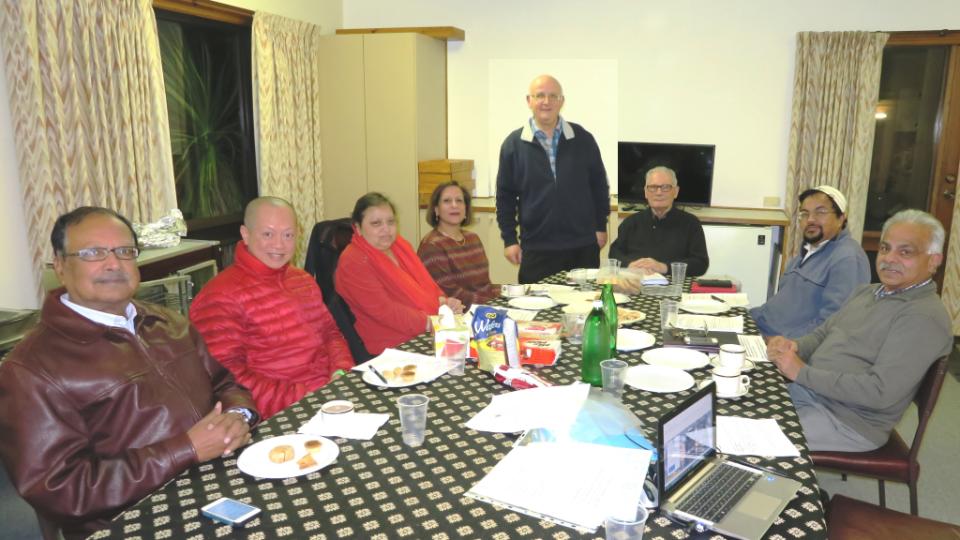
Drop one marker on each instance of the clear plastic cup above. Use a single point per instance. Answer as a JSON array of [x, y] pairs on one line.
[[613, 372], [573, 327], [669, 309], [621, 528], [678, 272], [413, 418]]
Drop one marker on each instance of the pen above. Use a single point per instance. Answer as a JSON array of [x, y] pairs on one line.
[[378, 374], [717, 298], [746, 463]]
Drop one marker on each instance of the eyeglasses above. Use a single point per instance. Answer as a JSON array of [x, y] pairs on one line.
[[818, 214], [95, 254], [549, 98], [662, 188]]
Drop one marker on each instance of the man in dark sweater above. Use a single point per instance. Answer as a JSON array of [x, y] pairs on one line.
[[552, 183], [655, 237]]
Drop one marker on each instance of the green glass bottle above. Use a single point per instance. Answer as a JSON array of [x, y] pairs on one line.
[[610, 310], [596, 345]]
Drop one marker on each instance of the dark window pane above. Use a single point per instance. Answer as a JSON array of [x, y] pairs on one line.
[[904, 146], [207, 80]]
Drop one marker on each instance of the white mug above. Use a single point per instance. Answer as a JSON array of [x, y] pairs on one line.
[[511, 290], [730, 385], [731, 359]]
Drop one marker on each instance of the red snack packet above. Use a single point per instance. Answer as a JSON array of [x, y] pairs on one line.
[[518, 378]]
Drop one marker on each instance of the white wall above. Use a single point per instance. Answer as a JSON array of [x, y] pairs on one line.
[[16, 277], [690, 71]]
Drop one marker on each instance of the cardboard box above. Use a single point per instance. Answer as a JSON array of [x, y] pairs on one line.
[[539, 329], [434, 172]]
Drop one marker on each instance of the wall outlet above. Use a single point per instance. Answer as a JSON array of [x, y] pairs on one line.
[[771, 202]]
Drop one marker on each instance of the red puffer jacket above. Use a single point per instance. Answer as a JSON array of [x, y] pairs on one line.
[[271, 329]]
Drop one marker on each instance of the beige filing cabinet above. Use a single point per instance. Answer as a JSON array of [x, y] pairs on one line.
[[383, 109]]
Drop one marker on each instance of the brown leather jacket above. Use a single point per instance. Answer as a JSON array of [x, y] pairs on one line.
[[93, 418]]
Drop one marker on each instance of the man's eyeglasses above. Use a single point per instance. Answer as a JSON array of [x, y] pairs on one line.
[[549, 98], [819, 213], [95, 254], [662, 188]]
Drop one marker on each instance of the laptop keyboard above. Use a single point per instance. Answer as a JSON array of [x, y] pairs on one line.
[[718, 492]]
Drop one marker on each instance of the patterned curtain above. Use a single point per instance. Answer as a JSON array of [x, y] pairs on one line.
[[287, 116], [89, 111], [835, 91], [951, 271]]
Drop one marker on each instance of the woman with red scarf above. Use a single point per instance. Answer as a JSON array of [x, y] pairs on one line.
[[380, 276]]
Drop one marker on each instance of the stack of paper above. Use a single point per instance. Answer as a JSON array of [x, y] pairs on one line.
[[746, 436], [710, 322], [731, 299], [351, 425], [551, 406]]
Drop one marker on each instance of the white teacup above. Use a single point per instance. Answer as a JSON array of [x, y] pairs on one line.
[[511, 290], [731, 359], [730, 385]]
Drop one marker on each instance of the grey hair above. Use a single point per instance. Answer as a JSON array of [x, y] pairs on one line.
[[666, 170], [919, 217]]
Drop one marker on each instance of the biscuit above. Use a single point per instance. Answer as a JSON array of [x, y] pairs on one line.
[[313, 446], [281, 454], [306, 461]]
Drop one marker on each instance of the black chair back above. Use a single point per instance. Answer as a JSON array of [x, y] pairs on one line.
[[327, 240]]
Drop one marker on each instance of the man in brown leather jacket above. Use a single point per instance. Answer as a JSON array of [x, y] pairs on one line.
[[109, 398]]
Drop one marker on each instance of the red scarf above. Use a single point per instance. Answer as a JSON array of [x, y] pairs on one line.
[[408, 277]]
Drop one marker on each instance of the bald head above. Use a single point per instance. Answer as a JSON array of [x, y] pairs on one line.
[[270, 230], [545, 79], [254, 207]]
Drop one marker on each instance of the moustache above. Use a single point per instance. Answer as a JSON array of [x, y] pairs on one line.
[[884, 266], [113, 278]]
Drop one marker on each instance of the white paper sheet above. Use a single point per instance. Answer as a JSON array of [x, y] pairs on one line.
[[731, 299], [712, 322], [550, 407], [571, 483], [752, 437], [352, 425], [755, 347]]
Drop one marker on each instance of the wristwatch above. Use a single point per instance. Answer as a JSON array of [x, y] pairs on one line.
[[247, 414]]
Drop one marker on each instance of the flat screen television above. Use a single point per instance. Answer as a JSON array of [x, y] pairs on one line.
[[693, 164]]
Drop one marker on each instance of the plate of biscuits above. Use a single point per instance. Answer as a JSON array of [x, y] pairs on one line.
[[287, 456], [405, 372]]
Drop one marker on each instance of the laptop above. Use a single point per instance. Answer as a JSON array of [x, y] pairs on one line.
[[698, 485]]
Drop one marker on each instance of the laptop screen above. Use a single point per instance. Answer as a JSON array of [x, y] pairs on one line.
[[688, 438]]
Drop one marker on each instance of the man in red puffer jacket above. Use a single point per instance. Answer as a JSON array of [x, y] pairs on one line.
[[265, 320]]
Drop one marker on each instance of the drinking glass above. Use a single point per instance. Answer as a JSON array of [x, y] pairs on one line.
[[580, 277], [668, 314], [613, 372], [573, 327], [619, 528], [413, 418]]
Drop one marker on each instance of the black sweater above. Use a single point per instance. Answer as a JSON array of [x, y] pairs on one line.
[[678, 237], [554, 213]]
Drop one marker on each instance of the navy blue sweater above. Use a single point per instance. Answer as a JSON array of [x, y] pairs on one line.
[[554, 213]]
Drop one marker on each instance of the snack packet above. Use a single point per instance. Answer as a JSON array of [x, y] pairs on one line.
[[519, 378]]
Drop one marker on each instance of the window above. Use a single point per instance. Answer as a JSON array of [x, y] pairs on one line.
[[206, 71]]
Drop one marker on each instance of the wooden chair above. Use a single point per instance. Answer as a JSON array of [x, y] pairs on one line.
[[894, 461], [850, 519]]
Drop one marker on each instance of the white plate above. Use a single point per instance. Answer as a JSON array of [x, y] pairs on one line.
[[658, 379], [633, 340], [578, 307], [676, 357], [744, 390], [532, 302], [255, 460], [704, 307], [427, 370]]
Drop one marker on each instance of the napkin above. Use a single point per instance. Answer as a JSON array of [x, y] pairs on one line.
[[352, 425], [654, 279]]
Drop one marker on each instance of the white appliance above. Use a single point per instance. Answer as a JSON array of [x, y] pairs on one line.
[[746, 253]]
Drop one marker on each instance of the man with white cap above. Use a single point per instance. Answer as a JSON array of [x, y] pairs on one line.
[[819, 280]]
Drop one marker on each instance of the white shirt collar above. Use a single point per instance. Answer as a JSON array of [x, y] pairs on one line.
[[811, 249], [102, 317]]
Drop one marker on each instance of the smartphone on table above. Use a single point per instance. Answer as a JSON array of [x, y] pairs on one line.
[[229, 511]]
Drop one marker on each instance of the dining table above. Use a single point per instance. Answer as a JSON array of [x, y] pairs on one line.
[[384, 489]]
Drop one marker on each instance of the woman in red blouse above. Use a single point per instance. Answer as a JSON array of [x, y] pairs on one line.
[[453, 255], [383, 281]]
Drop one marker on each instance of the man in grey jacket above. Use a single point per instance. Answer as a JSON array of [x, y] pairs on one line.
[[855, 375]]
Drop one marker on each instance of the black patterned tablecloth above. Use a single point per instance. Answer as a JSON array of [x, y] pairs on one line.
[[382, 489]]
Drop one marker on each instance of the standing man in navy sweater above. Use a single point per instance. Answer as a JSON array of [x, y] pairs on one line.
[[553, 184]]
